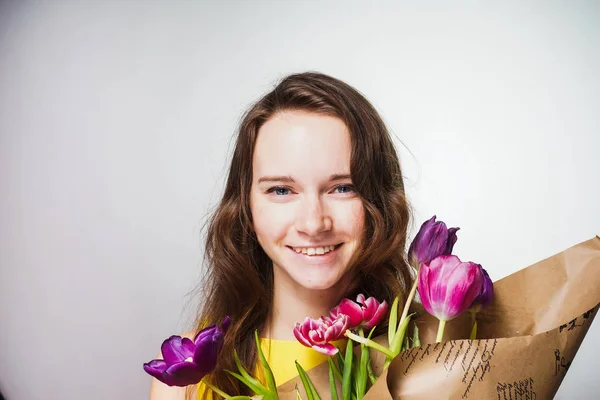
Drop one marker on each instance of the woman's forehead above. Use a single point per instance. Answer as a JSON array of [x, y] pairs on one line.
[[303, 145]]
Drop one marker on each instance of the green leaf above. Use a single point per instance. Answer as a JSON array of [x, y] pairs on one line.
[[398, 340], [416, 341], [371, 333], [346, 382], [372, 377], [362, 371], [332, 385], [400, 333], [268, 372], [256, 389], [253, 384], [311, 392], [355, 368], [405, 344], [335, 368], [393, 321], [340, 359], [215, 389]]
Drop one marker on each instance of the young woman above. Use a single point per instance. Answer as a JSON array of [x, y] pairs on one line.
[[314, 210]]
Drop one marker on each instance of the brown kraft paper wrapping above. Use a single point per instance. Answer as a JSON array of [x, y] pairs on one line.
[[527, 339]]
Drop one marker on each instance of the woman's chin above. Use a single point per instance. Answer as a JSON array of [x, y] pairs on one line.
[[319, 282]]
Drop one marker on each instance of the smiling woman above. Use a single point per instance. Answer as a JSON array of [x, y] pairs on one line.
[[313, 211]]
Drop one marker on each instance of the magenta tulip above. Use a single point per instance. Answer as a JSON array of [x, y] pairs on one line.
[[448, 287], [364, 313], [433, 239], [186, 362], [319, 333]]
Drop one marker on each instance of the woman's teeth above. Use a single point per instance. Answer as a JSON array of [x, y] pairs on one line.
[[311, 251]]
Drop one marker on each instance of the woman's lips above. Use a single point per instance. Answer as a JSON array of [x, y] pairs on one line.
[[317, 258]]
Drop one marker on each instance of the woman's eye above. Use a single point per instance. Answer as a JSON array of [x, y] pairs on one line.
[[344, 189], [279, 191]]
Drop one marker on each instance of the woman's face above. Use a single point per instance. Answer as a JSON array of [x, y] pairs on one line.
[[306, 214]]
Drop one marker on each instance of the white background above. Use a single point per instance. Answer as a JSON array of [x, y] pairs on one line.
[[116, 121]]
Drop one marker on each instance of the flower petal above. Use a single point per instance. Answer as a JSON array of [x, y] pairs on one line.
[[374, 318], [464, 286], [183, 374], [424, 289], [451, 240], [156, 368], [352, 310], [225, 324], [432, 240], [443, 274], [360, 298], [206, 332], [460, 283], [486, 295], [327, 349], [207, 351], [175, 350], [315, 336], [300, 337]]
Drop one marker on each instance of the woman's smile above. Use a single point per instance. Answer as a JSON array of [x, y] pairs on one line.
[[317, 255]]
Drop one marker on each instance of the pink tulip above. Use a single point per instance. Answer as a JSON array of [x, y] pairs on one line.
[[448, 286], [319, 333], [365, 313]]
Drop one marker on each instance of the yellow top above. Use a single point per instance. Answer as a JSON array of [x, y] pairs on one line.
[[281, 355]]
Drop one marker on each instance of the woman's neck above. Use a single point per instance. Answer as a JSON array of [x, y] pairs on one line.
[[293, 303]]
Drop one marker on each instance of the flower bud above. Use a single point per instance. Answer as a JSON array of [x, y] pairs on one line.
[[433, 239]]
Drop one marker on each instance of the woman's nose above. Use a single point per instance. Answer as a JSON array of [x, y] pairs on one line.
[[312, 219]]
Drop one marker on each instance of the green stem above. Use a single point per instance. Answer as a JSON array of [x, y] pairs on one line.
[[410, 298], [440, 332], [474, 328], [370, 343], [215, 389], [393, 321]]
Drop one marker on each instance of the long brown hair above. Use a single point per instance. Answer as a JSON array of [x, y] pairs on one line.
[[238, 279]]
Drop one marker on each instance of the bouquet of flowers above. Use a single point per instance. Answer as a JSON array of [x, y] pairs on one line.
[[511, 339]]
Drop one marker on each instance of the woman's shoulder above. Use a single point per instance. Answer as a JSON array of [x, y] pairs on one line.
[[160, 391]]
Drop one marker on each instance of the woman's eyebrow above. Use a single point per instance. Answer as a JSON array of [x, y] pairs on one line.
[[339, 177], [289, 179], [276, 179]]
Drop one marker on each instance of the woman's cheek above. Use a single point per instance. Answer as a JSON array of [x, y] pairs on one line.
[[356, 214], [271, 219]]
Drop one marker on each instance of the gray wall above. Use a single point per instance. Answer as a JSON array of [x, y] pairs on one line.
[[115, 126]]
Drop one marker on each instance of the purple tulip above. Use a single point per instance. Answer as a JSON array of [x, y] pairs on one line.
[[433, 239], [448, 286], [186, 362], [318, 333], [486, 294], [365, 313]]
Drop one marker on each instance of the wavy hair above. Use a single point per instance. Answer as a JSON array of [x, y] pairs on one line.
[[238, 280]]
